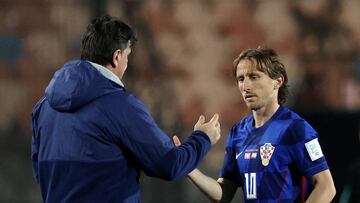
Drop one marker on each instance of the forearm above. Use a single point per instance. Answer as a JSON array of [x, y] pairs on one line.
[[321, 194], [206, 185], [324, 190], [187, 156], [159, 158]]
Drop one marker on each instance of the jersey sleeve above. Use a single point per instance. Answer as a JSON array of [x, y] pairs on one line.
[[230, 170], [152, 149], [306, 153]]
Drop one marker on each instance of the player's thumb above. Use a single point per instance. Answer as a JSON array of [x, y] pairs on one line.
[[176, 140], [201, 120]]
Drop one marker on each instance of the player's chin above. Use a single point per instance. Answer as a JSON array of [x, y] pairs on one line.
[[253, 106]]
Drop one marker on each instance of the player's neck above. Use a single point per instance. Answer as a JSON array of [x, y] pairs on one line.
[[262, 115]]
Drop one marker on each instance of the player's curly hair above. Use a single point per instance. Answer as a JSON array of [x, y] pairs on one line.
[[267, 61], [103, 37]]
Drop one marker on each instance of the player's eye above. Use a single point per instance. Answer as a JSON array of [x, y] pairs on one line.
[[240, 79]]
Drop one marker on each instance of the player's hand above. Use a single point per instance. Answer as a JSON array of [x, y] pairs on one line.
[[211, 128]]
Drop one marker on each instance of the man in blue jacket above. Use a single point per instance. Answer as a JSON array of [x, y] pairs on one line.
[[91, 138]]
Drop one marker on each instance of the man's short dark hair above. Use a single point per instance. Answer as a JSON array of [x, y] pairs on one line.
[[268, 62], [103, 36]]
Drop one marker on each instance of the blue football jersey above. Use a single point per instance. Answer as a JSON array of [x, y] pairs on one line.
[[269, 162]]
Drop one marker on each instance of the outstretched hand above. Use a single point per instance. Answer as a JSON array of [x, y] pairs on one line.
[[211, 128]]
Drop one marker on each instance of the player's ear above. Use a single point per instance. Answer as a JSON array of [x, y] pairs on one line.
[[278, 82]]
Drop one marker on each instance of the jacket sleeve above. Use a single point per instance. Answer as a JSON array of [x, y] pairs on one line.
[[152, 149], [34, 146]]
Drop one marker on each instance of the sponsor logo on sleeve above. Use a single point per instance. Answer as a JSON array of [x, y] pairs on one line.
[[314, 150]]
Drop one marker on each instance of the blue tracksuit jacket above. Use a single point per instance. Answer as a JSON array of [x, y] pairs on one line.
[[91, 138]]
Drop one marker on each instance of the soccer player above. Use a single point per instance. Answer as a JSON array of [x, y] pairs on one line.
[[270, 153], [91, 137]]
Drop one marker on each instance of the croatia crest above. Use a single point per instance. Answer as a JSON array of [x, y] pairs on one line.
[[266, 151]]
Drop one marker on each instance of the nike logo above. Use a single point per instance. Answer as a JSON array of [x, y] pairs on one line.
[[238, 154]]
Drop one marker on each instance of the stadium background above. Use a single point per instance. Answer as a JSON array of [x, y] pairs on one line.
[[181, 67]]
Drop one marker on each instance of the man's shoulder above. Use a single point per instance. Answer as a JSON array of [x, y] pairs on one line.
[[289, 114], [37, 107], [293, 119], [297, 130], [124, 102]]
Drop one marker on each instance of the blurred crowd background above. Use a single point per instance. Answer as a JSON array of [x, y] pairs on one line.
[[181, 67]]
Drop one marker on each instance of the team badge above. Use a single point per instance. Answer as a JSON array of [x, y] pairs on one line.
[[266, 151]]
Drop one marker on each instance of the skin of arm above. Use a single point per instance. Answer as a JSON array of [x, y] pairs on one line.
[[324, 190], [222, 190]]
